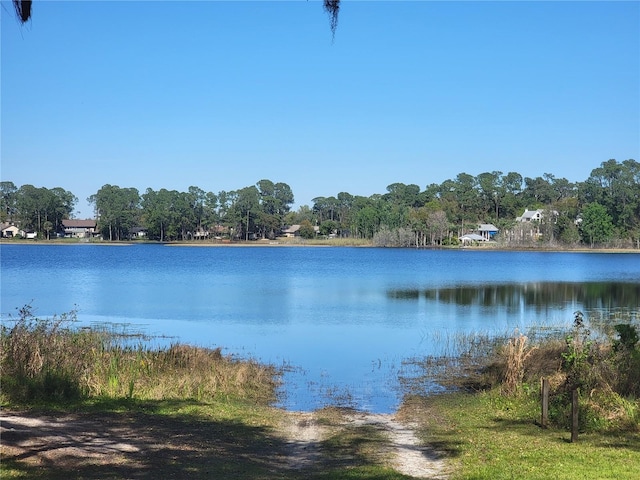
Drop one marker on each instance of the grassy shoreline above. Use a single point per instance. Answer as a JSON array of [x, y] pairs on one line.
[[296, 242], [487, 435], [487, 429]]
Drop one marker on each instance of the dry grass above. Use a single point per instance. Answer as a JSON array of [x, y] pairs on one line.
[[45, 359], [515, 354]]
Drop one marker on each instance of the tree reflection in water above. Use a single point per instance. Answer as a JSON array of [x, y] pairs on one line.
[[540, 295]]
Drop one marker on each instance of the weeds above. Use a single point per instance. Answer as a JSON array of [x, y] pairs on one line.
[[48, 360], [516, 353], [578, 355], [604, 369]]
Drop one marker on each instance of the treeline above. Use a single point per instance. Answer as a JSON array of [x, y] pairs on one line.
[[171, 215], [36, 209], [603, 209]]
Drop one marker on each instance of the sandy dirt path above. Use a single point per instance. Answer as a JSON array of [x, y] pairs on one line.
[[133, 445], [403, 447]]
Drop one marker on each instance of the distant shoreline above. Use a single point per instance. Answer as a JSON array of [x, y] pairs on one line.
[[327, 243]]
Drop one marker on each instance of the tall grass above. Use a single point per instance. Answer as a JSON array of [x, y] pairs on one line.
[[605, 369], [49, 360], [515, 354], [327, 242]]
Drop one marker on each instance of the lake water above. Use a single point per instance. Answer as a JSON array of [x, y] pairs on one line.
[[342, 319]]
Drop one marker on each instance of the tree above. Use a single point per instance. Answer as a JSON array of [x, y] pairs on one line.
[[566, 212], [62, 204], [245, 209], [275, 202], [367, 222], [328, 227], [184, 214], [284, 196], [225, 201], [156, 211], [304, 212], [48, 226], [117, 210], [438, 226], [615, 186], [345, 204], [491, 193], [197, 198], [596, 224], [418, 218], [465, 195], [325, 208], [29, 205], [211, 212], [537, 191], [306, 230], [404, 195], [512, 203], [35, 206], [8, 192]]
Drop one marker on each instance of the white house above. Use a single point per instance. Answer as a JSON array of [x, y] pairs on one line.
[[471, 238], [10, 230], [487, 230], [530, 215]]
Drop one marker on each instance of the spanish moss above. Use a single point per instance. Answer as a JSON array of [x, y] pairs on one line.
[[332, 7], [23, 9]]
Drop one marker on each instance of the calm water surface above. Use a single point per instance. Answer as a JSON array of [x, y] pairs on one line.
[[344, 319]]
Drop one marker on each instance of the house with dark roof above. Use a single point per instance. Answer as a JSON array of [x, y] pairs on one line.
[[292, 231], [79, 228], [137, 232]]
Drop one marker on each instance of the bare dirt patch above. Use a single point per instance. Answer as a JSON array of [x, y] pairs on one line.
[[137, 445], [303, 435], [402, 450], [407, 455]]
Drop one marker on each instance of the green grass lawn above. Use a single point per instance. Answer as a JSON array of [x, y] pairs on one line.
[[489, 436]]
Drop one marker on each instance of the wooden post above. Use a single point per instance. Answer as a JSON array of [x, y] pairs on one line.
[[544, 420], [574, 415]]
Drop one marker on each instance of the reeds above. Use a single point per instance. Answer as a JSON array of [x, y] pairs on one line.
[[47, 359], [515, 354], [608, 371]]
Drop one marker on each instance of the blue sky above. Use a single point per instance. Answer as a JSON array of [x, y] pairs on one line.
[[223, 94]]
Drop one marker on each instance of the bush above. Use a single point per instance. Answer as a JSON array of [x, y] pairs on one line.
[[626, 358]]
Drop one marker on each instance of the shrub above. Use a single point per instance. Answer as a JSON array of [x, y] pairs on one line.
[[626, 357]]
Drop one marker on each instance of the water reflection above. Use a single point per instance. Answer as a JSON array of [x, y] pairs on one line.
[[591, 295]]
